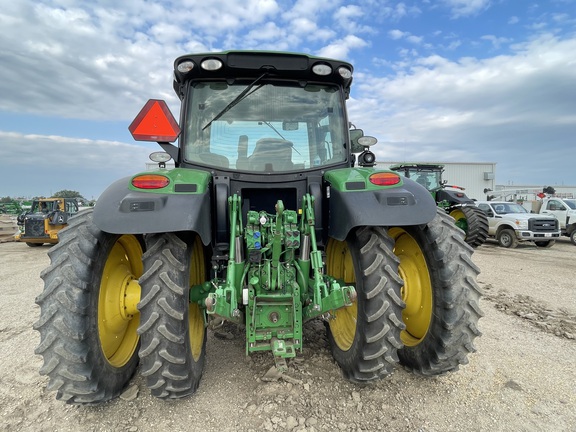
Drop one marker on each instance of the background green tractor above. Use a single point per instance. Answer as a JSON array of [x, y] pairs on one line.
[[268, 220], [450, 198], [10, 207]]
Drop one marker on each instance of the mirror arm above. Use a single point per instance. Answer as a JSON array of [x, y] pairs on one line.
[[172, 150]]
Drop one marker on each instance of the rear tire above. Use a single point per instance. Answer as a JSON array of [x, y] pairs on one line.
[[441, 296], [473, 222], [88, 341], [507, 238], [34, 244], [365, 337], [573, 237], [172, 329]]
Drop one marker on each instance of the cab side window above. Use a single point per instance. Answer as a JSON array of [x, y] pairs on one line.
[[486, 209]]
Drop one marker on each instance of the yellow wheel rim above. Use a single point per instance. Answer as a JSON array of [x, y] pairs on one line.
[[457, 214], [195, 314], [340, 266], [118, 316], [417, 290], [460, 218]]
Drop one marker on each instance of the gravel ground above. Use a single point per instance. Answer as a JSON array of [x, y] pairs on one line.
[[521, 379]]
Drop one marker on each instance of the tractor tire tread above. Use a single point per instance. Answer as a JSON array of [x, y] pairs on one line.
[[373, 354], [477, 225], [165, 357], [66, 339], [457, 297]]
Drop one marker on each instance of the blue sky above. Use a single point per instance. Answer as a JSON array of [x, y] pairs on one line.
[[441, 80]]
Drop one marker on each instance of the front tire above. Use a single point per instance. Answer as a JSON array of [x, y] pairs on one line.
[[441, 295], [365, 337], [88, 315], [573, 237], [507, 238], [473, 222], [172, 329]]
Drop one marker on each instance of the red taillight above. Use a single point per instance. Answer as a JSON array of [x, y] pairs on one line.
[[384, 179], [150, 181]]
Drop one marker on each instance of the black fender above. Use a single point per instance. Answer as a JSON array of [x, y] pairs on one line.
[[453, 197], [120, 210], [406, 205]]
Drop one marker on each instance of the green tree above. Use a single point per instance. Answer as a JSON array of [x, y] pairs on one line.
[[65, 193]]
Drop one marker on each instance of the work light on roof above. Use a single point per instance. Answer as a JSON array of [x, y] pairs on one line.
[[159, 156], [321, 69], [185, 66], [367, 141], [345, 72], [211, 64]]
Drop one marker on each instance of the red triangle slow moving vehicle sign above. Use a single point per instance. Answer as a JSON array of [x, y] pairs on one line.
[[155, 122]]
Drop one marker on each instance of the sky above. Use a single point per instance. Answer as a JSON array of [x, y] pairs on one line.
[[434, 80]]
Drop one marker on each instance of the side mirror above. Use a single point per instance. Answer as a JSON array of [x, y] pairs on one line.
[[356, 134], [360, 142]]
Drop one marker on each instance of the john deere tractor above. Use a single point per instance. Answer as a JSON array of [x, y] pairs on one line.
[[451, 199], [268, 220]]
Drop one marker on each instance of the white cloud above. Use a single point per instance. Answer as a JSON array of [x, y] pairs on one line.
[[101, 60], [46, 164], [463, 8], [496, 41], [396, 34], [520, 104], [310, 8], [348, 12], [415, 39], [340, 48]]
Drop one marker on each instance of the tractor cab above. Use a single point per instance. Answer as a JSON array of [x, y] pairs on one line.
[[257, 122], [429, 176]]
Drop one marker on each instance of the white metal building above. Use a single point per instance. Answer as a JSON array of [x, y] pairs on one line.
[[474, 177]]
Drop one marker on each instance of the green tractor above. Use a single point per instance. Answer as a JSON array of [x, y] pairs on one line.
[[268, 220], [10, 207], [451, 199]]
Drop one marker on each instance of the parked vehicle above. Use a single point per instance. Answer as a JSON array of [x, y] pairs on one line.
[[510, 223], [450, 198], [563, 209], [42, 223], [267, 221]]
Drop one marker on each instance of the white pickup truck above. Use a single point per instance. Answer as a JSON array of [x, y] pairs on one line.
[[562, 209], [510, 223]]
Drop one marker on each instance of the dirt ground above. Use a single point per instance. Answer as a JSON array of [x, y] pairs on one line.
[[521, 379]]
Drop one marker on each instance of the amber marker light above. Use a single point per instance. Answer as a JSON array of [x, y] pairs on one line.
[[384, 179], [150, 181]]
